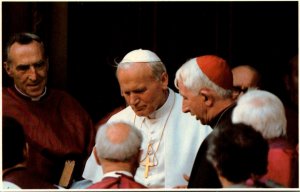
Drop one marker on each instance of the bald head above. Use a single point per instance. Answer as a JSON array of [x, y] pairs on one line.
[[117, 133], [118, 141], [245, 76]]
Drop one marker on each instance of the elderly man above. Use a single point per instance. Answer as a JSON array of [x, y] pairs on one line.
[[117, 150], [171, 138], [264, 111], [58, 130], [205, 83]]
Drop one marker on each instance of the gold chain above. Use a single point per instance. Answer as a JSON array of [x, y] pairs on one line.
[[149, 148]]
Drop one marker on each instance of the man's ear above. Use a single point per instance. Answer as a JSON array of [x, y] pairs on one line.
[[207, 97], [7, 68], [165, 80], [96, 156]]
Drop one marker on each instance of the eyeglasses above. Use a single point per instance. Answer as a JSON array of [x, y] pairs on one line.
[[240, 89]]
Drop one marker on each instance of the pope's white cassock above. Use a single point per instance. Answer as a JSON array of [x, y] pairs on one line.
[[171, 139]]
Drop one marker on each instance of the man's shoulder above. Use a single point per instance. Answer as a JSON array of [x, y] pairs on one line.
[[63, 98], [60, 94], [114, 183], [126, 111], [123, 115]]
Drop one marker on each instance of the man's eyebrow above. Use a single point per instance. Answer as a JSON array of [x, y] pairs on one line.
[[23, 67]]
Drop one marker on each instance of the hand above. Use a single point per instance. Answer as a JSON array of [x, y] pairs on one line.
[[181, 187], [185, 177]]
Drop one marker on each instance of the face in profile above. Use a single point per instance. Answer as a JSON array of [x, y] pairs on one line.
[[141, 90], [192, 103], [28, 68]]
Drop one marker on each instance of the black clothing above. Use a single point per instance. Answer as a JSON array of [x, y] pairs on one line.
[[203, 173]]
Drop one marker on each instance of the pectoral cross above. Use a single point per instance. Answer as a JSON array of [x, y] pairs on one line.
[[147, 165]]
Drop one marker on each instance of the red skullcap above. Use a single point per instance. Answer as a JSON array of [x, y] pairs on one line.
[[217, 70]]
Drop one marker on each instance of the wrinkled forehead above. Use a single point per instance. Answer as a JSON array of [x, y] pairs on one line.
[[134, 70]]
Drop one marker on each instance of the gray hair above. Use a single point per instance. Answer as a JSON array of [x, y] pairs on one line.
[[120, 152], [157, 67], [263, 111], [194, 79]]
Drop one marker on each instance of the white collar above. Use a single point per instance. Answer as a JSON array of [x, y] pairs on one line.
[[32, 98], [116, 175], [162, 111]]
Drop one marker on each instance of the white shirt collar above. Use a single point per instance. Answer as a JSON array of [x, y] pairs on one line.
[[166, 107], [32, 98], [116, 175]]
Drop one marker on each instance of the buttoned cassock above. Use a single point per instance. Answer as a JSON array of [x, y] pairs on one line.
[[181, 139]]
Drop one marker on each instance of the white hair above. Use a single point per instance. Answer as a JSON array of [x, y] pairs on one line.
[[157, 67], [118, 151], [194, 79], [263, 111]]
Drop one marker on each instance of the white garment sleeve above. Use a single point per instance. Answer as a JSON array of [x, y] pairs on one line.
[[92, 170]]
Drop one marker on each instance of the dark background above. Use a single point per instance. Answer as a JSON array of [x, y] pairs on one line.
[[85, 38]]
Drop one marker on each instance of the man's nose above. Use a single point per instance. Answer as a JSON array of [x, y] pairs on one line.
[[133, 99], [32, 73]]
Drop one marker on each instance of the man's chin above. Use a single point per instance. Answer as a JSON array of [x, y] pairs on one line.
[[141, 113], [34, 94]]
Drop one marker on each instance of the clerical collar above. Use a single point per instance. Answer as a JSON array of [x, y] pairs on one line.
[[32, 98], [117, 174], [165, 107], [214, 122]]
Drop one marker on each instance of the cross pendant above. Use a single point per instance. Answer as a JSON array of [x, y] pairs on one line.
[[147, 165]]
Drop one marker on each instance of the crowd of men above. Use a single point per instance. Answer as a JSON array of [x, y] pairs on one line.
[[219, 130]]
